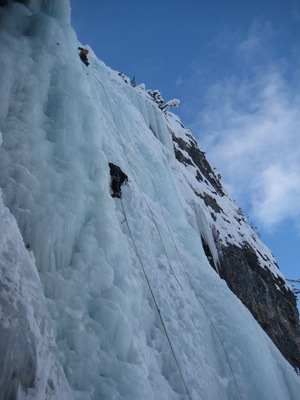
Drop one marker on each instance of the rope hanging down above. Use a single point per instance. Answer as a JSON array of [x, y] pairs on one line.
[[138, 186], [141, 263], [176, 247], [201, 304], [187, 275], [206, 313], [155, 301], [182, 264]]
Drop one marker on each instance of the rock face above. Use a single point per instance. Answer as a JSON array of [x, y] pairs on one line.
[[268, 299], [243, 261]]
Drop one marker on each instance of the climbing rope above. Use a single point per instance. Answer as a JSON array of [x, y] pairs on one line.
[[141, 263], [187, 275], [138, 186], [199, 301], [203, 308], [183, 266], [176, 247], [155, 301]]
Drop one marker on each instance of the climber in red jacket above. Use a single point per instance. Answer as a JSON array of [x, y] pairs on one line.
[[83, 56]]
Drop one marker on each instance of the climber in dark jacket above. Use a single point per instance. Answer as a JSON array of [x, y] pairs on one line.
[[118, 177], [83, 56]]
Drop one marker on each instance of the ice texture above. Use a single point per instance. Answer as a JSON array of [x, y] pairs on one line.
[[78, 320]]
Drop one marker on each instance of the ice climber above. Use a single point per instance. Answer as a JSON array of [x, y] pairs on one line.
[[118, 177], [83, 56]]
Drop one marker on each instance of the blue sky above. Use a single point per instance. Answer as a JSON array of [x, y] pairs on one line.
[[235, 67]]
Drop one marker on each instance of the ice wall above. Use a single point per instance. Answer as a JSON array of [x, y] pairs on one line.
[[61, 124], [27, 345]]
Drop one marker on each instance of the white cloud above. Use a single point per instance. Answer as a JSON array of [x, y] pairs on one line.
[[277, 192], [252, 127]]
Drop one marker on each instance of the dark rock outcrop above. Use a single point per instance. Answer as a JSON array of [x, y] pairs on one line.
[[199, 160], [265, 296]]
